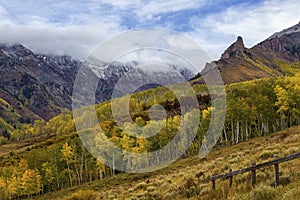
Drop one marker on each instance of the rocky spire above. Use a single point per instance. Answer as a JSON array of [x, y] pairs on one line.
[[235, 49]]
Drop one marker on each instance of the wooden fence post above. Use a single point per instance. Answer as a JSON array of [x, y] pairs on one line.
[[230, 178], [253, 175], [276, 172], [213, 184]]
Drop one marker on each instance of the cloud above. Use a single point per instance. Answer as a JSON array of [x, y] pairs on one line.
[[3, 11], [75, 27], [57, 27], [155, 46], [124, 4], [160, 6], [58, 12], [75, 40], [3, 16]]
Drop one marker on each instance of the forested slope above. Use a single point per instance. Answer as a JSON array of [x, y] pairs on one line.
[[254, 109]]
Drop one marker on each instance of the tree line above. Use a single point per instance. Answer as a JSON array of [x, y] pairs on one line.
[[254, 108]]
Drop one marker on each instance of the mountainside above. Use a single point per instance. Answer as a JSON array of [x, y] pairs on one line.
[[37, 86], [278, 55], [33, 87], [40, 86]]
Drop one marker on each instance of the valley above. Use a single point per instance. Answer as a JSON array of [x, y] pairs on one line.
[[43, 156]]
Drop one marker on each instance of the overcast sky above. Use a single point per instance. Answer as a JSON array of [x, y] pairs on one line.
[[76, 27]]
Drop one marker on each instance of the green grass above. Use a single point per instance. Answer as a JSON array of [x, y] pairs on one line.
[[5, 125], [288, 68], [188, 178], [36, 142], [260, 65], [8, 116], [4, 103]]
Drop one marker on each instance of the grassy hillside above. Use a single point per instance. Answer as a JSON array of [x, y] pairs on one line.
[[189, 177], [9, 119], [49, 156], [8, 115], [254, 109]]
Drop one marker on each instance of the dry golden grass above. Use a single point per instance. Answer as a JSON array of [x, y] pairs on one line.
[[189, 177]]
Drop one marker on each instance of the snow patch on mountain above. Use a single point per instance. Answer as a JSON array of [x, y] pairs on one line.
[[293, 29], [105, 70]]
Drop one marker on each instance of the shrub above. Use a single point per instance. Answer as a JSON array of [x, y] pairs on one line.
[[261, 175], [204, 189], [284, 180], [291, 150], [12, 153], [247, 151], [282, 136], [141, 185], [111, 197], [3, 140], [293, 193], [82, 195], [141, 195], [170, 195], [189, 188], [151, 188], [266, 154], [263, 192]]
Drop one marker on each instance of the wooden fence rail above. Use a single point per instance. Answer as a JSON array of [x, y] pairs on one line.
[[253, 169]]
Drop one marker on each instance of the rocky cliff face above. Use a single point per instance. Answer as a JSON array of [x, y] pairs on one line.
[[285, 42], [236, 49]]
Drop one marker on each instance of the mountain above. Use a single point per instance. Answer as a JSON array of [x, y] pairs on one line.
[[34, 86], [278, 55]]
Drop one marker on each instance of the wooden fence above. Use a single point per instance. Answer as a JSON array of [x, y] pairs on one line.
[[253, 169]]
